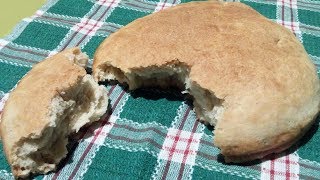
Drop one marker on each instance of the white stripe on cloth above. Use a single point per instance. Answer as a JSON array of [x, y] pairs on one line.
[[163, 5], [287, 16], [3, 101], [100, 134], [280, 167], [87, 26], [180, 147], [37, 14], [176, 146], [3, 43], [288, 3], [292, 26], [108, 3]]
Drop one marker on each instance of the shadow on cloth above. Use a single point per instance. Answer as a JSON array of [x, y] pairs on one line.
[[174, 94]]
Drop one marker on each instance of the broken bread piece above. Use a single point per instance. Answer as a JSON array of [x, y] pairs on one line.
[[249, 77], [56, 98]]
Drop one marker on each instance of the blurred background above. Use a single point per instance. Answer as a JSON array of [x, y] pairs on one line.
[[13, 11]]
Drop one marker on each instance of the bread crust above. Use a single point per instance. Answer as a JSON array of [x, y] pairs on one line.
[[258, 68], [25, 113]]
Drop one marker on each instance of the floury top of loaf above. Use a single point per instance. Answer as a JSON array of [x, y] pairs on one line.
[[249, 76]]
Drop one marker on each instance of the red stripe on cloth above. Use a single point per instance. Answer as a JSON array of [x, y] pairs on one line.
[[291, 14], [186, 152], [88, 24], [83, 26], [71, 22], [271, 169], [279, 173], [180, 151], [182, 139], [287, 163], [283, 167], [163, 5], [289, 24], [104, 13], [166, 169], [89, 31], [94, 138], [81, 137]]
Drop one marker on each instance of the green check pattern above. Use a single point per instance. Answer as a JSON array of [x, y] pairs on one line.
[[150, 134]]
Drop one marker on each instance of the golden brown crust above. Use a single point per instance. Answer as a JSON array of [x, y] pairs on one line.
[[286, 143], [25, 113], [269, 85]]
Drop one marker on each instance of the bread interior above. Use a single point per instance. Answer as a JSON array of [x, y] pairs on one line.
[[207, 106], [70, 110]]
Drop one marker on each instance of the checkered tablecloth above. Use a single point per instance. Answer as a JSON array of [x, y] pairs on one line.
[[151, 134]]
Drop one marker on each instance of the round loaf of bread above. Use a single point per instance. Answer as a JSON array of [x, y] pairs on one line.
[[249, 76]]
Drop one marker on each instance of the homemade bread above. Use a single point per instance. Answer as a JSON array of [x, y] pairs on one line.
[[250, 77], [56, 98]]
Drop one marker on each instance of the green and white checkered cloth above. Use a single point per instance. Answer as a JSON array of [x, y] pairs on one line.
[[150, 134]]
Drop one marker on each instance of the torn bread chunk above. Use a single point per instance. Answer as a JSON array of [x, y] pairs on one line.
[[55, 99]]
